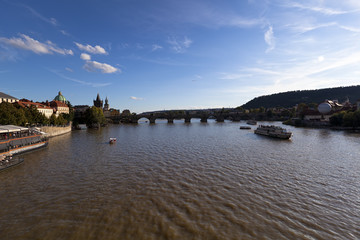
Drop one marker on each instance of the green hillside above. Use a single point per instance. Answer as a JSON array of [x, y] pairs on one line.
[[290, 99]]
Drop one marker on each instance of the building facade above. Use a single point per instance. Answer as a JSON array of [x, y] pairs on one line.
[[7, 98], [59, 107], [108, 112], [60, 98], [42, 108]]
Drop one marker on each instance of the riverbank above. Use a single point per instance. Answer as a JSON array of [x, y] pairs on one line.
[[53, 131], [318, 124]]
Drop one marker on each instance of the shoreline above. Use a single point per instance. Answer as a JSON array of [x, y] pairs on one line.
[[53, 131]]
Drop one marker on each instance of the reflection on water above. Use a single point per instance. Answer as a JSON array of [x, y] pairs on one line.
[[185, 181]]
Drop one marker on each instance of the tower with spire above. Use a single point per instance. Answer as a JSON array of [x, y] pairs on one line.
[[106, 105], [98, 102]]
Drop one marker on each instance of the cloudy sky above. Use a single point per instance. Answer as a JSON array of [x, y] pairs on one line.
[[173, 54]]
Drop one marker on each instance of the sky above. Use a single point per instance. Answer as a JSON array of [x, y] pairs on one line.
[[147, 55]]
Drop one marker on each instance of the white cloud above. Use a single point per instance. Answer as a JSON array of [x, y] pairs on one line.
[[234, 76], [307, 27], [90, 49], [156, 47], [92, 66], [85, 57], [353, 3], [323, 10], [27, 43], [52, 21], [136, 98], [241, 22], [64, 32], [139, 46], [69, 69], [337, 69], [179, 46], [197, 77], [351, 29], [205, 14], [269, 39], [80, 81], [321, 58]]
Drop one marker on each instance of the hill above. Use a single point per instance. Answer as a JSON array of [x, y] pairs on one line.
[[290, 99]]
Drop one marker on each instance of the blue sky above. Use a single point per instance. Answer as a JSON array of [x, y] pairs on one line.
[[149, 55]]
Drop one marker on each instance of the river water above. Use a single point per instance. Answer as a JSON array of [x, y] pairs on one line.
[[185, 181]]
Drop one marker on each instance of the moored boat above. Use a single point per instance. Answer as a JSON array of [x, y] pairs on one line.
[[245, 127], [8, 162], [273, 131], [16, 139], [251, 122], [112, 140]]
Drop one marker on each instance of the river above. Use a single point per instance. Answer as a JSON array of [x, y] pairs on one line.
[[185, 181]]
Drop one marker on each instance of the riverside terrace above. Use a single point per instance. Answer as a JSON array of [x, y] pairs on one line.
[[203, 115]]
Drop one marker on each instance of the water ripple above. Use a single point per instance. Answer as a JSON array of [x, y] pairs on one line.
[[185, 181]]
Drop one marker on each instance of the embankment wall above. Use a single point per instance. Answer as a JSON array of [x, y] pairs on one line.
[[53, 131]]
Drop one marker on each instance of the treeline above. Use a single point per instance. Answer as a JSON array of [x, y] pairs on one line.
[[12, 114], [290, 99], [93, 118], [346, 119]]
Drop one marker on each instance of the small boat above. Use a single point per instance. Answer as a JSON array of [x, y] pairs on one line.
[[273, 131], [245, 127], [8, 162], [251, 122], [112, 140]]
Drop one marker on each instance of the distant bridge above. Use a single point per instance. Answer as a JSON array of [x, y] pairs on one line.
[[186, 115]]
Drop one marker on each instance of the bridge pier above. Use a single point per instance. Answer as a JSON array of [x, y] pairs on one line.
[[220, 119], [203, 119], [187, 120], [170, 120], [152, 120], [135, 121]]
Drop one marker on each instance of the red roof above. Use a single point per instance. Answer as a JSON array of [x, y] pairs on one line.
[[27, 103], [58, 104]]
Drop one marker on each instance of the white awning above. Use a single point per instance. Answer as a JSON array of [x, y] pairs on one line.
[[11, 128]]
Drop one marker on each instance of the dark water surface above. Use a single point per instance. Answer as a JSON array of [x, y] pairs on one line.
[[185, 181]]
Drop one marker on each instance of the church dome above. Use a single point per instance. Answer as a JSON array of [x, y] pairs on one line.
[[60, 98]]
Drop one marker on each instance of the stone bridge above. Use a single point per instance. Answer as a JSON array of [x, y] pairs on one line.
[[172, 115]]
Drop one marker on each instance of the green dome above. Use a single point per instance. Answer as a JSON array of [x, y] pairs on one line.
[[60, 98]]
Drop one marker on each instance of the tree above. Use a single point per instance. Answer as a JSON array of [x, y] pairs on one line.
[[357, 118], [35, 117], [61, 120], [286, 113], [239, 109], [94, 116], [337, 118], [10, 115], [269, 113], [69, 117], [346, 119], [313, 105], [53, 119]]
